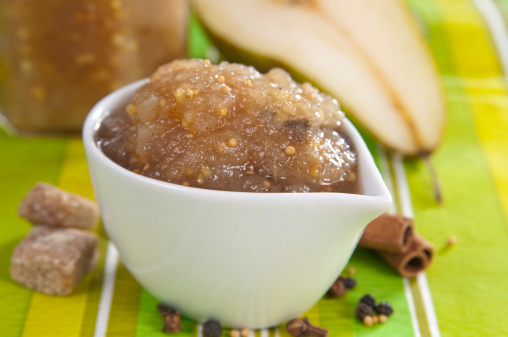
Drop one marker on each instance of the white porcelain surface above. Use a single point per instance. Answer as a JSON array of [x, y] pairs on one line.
[[247, 259]]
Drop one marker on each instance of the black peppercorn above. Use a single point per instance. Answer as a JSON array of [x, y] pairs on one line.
[[369, 300], [212, 328], [349, 282], [384, 308], [362, 310]]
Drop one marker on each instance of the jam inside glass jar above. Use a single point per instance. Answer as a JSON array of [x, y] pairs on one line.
[[59, 57]]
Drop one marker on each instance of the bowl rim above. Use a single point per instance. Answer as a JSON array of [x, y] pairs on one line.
[[106, 105]]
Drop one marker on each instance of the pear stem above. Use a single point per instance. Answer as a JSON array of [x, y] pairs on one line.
[[433, 176]]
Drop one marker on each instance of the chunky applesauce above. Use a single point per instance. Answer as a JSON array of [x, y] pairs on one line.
[[229, 127]]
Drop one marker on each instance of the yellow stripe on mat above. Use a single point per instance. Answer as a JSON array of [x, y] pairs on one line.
[[493, 132], [62, 316], [488, 98]]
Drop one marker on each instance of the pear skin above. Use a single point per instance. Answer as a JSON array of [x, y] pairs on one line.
[[371, 58]]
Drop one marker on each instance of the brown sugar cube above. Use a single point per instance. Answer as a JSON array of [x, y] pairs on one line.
[[53, 260], [46, 204]]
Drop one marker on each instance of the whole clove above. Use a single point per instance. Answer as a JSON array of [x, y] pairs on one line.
[[172, 322], [338, 288], [299, 327], [164, 309]]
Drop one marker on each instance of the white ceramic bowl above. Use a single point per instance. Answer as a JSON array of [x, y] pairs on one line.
[[246, 259]]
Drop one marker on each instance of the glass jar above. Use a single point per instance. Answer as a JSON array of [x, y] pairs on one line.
[[59, 57]]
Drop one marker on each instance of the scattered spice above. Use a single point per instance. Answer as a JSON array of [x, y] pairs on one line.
[[390, 233], [351, 271], [172, 323], [393, 237], [384, 308], [452, 241], [367, 306], [363, 310], [369, 300], [212, 328], [367, 320], [338, 288], [349, 282], [299, 327], [164, 310]]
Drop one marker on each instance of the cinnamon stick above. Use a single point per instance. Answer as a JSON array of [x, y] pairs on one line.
[[389, 233], [416, 259]]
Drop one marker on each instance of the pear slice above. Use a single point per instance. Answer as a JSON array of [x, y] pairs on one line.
[[366, 53]]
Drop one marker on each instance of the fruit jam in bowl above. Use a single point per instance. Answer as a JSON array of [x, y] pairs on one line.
[[230, 194]]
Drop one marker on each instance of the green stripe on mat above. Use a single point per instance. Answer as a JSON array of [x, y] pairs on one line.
[[123, 318], [474, 273], [25, 161], [335, 315]]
